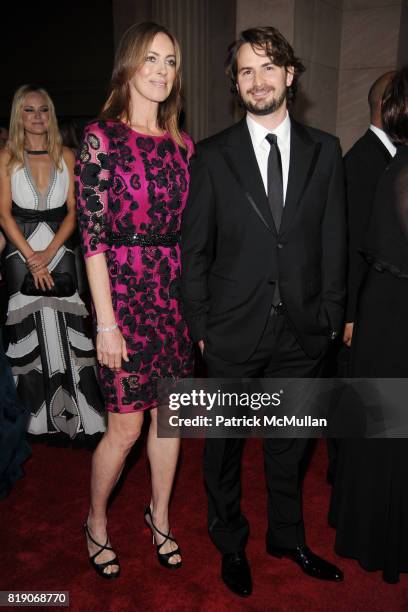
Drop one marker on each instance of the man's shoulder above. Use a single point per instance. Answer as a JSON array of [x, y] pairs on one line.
[[234, 132], [362, 145], [314, 133], [366, 151], [221, 138]]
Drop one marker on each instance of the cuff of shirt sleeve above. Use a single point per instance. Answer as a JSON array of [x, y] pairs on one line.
[[197, 328], [101, 248]]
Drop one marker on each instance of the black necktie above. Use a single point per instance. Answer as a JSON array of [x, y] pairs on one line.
[[275, 192], [275, 181]]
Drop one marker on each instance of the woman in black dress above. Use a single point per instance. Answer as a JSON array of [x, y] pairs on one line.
[[50, 349], [369, 506], [14, 449]]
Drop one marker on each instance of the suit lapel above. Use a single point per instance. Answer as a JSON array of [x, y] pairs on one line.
[[304, 153], [372, 136], [240, 157]]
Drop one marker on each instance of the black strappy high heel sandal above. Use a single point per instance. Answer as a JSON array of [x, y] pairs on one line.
[[99, 567], [164, 558]]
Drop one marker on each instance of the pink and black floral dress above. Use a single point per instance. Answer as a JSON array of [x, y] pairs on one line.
[[131, 191]]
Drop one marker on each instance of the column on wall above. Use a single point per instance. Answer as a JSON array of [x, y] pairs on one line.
[[188, 19]]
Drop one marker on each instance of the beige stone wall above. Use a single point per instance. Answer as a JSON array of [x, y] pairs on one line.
[[317, 42], [369, 47], [344, 44], [403, 35], [277, 13]]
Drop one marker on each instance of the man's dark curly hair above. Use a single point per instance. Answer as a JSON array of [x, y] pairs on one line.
[[394, 107], [271, 41]]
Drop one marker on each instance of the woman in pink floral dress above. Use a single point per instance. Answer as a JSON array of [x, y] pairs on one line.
[[132, 180]]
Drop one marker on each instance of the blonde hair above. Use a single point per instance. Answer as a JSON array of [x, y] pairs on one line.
[[130, 55], [16, 139]]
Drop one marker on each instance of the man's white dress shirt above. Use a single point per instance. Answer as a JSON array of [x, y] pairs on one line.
[[262, 147]]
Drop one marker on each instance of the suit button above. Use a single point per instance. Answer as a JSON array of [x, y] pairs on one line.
[[280, 245]]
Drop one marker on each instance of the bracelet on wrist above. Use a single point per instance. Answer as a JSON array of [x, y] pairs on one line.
[[106, 329]]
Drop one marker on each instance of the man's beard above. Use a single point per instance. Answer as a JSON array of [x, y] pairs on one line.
[[268, 107]]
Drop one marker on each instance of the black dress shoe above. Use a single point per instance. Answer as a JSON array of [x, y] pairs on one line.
[[236, 574], [310, 563]]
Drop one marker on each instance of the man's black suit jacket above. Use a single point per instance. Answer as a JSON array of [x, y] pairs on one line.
[[363, 165], [232, 255]]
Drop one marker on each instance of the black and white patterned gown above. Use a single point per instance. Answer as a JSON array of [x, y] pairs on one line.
[[50, 349]]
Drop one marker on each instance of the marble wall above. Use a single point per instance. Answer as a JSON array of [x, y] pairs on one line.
[[317, 40], [403, 36], [277, 13], [344, 44], [370, 46]]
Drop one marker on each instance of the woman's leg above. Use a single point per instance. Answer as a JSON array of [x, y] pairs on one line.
[[163, 456], [107, 464]]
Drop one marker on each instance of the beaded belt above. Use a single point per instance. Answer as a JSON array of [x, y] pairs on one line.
[[31, 215], [144, 240]]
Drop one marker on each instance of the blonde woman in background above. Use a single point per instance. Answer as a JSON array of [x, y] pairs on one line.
[[50, 352]]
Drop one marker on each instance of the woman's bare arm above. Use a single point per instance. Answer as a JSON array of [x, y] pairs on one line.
[[110, 345]]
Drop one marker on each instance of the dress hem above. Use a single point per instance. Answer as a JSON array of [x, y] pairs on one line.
[[17, 316]]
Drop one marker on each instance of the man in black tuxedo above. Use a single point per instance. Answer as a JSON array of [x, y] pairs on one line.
[[363, 166], [263, 258]]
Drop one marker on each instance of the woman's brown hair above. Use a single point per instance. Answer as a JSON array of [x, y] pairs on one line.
[[394, 107], [130, 55]]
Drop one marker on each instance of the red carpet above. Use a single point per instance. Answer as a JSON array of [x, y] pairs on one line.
[[42, 545]]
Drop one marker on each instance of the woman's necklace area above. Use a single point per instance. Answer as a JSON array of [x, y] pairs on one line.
[[30, 152], [144, 130]]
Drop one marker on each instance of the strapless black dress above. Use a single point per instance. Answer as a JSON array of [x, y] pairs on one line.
[[14, 449]]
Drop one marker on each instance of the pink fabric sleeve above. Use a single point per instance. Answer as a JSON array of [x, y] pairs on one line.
[[92, 178]]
